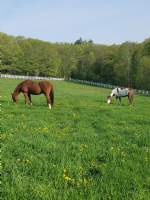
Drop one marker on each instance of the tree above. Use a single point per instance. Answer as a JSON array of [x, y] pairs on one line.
[[79, 41], [143, 74], [122, 67]]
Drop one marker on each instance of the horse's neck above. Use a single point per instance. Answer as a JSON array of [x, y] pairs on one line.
[[17, 90], [113, 92]]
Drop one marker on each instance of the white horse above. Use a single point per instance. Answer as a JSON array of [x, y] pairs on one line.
[[121, 92]]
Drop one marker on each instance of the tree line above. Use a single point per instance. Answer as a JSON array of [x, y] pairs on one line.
[[126, 65]]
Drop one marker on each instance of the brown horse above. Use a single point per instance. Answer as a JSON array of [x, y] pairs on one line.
[[122, 92], [29, 87]]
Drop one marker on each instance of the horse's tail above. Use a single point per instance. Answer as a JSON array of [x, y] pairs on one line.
[[52, 95], [132, 96]]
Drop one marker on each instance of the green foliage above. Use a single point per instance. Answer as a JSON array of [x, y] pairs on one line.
[[82, 148], [120, 65]]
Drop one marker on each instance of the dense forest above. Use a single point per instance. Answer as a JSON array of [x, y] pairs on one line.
[[127, 64]]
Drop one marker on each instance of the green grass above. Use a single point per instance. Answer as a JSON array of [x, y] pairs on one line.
[[83, 148]]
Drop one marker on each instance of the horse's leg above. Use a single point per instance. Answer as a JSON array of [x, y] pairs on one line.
[[29, 96], [116, 100], [48, 101], [120, 100], [26, 97], [130, 100]]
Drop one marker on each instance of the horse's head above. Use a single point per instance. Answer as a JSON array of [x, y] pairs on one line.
[[14, 97], [109, 99]]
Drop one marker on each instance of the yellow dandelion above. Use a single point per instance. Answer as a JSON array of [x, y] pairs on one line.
[[66, 177], [64, 170]]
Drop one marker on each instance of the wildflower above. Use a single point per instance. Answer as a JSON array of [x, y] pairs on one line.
[[146, 159], [18, 159], [24, 160], [54, 165], [27, 160], [64, 170], [67, 178], [77, 184], [111, 148], [31, 157], [73, 115]]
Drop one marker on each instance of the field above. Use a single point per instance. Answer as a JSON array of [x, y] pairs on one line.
[[83, 148]]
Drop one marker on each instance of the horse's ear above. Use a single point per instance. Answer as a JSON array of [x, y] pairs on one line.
[[11, 94]]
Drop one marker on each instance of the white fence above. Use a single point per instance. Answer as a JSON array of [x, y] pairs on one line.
[[73, 80], [107, 86], [31, 77]]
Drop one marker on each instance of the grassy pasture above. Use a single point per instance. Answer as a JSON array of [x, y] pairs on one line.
[[83, 148]]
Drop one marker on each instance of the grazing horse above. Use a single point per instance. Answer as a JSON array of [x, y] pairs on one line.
[[29, 87], [121, 92]]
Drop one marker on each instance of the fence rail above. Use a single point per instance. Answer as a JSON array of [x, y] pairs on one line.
[[107, 86], [31, 77], [73, 80]]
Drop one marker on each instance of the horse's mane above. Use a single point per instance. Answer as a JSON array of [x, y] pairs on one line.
[[17, 89]]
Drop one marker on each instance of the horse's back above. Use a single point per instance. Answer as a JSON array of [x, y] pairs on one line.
[[122, 92], [45, 86], [30, 87], [36, 88]]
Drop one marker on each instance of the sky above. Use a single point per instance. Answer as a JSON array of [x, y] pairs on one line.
[[103, 21]]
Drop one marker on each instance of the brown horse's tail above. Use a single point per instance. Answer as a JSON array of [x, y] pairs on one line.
[[52, 95], [132, 96]]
